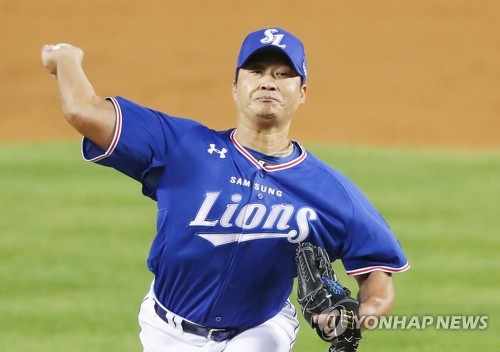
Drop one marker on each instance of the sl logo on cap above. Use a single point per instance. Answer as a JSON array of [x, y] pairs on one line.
[[271, 38]]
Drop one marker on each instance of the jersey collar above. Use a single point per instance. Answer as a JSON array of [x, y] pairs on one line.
[[268, 168]]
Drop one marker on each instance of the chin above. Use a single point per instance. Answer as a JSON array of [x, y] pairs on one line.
[[267, 115], [267, 112]]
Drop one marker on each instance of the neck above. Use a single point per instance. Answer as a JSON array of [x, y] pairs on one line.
[[270, 143]]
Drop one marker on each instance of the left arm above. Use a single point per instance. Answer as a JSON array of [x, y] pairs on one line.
[[376, 296]]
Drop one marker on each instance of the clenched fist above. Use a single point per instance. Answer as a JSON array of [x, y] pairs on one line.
[[53, 55]]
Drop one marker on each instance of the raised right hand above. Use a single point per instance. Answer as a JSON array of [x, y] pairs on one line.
[[53, 54]]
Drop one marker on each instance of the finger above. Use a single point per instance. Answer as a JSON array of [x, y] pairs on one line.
[[331, 321], [53, 47], [46, 49], [61, 46], [48, 60]]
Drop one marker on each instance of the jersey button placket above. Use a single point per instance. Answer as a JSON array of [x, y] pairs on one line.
[[262, 174]]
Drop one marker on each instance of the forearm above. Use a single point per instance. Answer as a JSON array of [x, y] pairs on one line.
[[376, 296], [76, 93], [89, 114]]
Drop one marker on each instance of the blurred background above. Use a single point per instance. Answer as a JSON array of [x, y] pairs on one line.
[[418, 73]]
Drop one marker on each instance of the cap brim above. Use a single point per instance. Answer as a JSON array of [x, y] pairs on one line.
[[271, 48]]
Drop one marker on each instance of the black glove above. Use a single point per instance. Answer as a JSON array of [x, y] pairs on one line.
[[319, 292]]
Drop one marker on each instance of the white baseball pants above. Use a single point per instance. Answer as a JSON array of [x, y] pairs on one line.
[[275, 335]]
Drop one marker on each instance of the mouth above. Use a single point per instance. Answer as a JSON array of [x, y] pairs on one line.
[[267, 99]]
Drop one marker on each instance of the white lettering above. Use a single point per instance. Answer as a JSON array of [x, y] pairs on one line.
[[286, 212], [450, 322], [266, 189], [271, 38], [240, 181], [455, 322], [427, 321], [470, 322], [414, 323], [225, 220], [251, 216], [303, 217], [200, 219], [399, 320], [256, 186], [385, 322], [443, 322], [484, 322]]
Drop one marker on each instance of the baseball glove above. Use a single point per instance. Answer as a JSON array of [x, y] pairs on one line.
[[319, 292]]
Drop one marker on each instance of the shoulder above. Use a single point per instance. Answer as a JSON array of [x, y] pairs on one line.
[[328, 172], [138, 114]]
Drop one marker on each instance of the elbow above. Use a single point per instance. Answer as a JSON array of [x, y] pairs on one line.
[[78, 115], [384, 304], [377, 306], [384, 299], [74, 116], [370, 312], [94, 120]]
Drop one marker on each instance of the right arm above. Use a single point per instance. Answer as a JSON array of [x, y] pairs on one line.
[[90, 115]]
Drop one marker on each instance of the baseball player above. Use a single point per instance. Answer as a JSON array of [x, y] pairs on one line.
[[232, 205]]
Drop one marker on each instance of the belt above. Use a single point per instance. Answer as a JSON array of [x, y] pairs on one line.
[[214, 334]]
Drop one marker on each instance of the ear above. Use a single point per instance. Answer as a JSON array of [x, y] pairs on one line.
[[235, 84], [303, 91]]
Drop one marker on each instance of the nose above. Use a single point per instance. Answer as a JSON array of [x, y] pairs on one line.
[[268, 84], [268, 80]]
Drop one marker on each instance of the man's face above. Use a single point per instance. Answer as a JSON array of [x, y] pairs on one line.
[[268, 90]]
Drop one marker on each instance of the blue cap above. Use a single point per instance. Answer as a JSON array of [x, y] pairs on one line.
[[277, 39]]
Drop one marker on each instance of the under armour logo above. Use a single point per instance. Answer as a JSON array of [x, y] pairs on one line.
[[274, 39], [222, 153]]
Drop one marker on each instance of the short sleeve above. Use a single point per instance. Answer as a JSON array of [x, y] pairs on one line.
[[369, 244], [141, 144]]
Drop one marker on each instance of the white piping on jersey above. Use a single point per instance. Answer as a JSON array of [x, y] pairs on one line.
[[369, 269], [268, 168], [116, 136]]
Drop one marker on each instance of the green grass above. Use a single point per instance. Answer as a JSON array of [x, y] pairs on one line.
[[74, 239]]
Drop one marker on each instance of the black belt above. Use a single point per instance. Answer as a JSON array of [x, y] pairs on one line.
[[213, 334]]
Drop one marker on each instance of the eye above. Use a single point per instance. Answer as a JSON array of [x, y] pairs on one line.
[[253, 69], [283, 74]]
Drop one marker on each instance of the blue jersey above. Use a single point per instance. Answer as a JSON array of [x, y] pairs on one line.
[[229, 219]]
